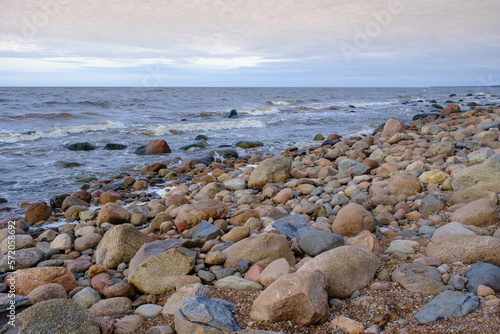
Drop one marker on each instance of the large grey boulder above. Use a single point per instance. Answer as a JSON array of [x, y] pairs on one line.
[[447, 304]]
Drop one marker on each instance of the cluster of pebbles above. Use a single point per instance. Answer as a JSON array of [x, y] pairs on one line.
[[397, 232]]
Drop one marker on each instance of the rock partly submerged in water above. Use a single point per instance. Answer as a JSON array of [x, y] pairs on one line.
[[84, 146], [158, 146]]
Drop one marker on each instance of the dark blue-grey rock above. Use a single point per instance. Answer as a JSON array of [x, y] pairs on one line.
[[84, 146], [21, 303], [205, 315], [482, 273], [225, 245], [206, 160], [467, 144], [243, 266], [221, 273], [114, 147], [290, 227], [491, 126], [207, 231], [447, 304], [114, 186], [198, 144], [360, 169], [315, 242], [206, 276], [346, 164], [232, 114], [226, 153]]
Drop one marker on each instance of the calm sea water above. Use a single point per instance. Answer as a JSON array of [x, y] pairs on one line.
[[36, 123]]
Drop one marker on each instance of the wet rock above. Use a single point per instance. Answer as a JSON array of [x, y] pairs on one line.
[[447, 304], [158, 146], [232, 114], [249, 144], [84, 146], [37, 212], [346, 268], [299, 297], [114, 147], [482, 212]]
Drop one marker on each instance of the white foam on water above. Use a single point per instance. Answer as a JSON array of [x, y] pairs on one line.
[[282, 102], [260, 112], [194, 127], [60, 132]]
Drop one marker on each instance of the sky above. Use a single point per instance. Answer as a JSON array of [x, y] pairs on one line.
[[247, 43]]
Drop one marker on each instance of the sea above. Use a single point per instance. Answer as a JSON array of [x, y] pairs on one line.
[[37, 123]]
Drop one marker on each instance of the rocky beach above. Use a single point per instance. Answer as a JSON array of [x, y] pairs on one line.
[[394, 232]]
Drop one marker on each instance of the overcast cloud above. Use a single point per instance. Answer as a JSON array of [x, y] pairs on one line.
[[249, 43]]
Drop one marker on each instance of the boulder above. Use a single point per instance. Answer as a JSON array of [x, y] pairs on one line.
[[119, 245], [23, 258], [156, 266], [273, 170], [86, 297], [37, 212], [61, 242], [416, 277], [482, 212], [190, 215], [404, 183], [27, 280], [70, 201], [54, 316], [353, 219], [205, 315], [466, 248], [453, 228], [346, 268], [273, 271], [392, 127], [447, 304], [316, 242], [482, 273], [157, 146], [87, 241], [83, 146], [299, 297], [113, 213], [262, 248], [207, 231], [485, 175], [153, 168]]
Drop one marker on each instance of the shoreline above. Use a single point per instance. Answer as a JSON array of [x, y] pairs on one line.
[[406, 182]]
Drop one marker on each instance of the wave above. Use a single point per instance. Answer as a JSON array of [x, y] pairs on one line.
[[91, 103], [282, 102], [197, 127], [261, 111], [60, 132], [49, 116]]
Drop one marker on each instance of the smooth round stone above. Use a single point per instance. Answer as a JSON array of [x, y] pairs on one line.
[[425, 229], [87, 297], [149, 310]]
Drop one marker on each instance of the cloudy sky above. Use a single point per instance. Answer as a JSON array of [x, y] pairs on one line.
[[338, 43]]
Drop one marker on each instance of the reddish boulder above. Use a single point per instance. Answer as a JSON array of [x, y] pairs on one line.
[[190, 215], [37, 212]]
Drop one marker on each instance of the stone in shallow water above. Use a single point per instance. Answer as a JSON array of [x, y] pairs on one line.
[[447, 304]]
